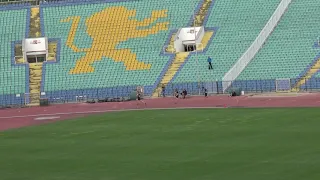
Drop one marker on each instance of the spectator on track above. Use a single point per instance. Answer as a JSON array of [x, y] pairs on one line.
[[176, 94], [139, 99], [205, 92], [163, 91], [184, 93], [233, 93]]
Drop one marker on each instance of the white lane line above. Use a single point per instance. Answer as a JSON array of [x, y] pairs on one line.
[[103, 111], [46, 118]]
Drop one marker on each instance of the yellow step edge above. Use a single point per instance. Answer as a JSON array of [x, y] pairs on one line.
[[313, 70]]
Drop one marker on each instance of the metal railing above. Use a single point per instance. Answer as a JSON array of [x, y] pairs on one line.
[[192, 88]]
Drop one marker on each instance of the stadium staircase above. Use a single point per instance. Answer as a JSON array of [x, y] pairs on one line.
[[309, 74], [181, 57], [35, 69], [35, 23]]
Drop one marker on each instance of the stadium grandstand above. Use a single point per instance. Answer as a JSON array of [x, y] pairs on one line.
[[89, 49]]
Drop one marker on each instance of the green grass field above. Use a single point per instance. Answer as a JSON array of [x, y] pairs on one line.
[[199, 144]]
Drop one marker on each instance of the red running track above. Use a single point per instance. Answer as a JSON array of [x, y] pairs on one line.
[[15, 118]]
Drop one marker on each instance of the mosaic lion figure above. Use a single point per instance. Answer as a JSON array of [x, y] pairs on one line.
[[107, 29]]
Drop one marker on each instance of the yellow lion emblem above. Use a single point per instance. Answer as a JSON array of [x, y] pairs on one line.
[[107, 29]]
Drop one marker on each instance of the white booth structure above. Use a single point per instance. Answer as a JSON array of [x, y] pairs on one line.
[[188, 39], [35, 49]]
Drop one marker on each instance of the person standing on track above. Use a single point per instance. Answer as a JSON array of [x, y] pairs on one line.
[[176, 94], [163, 90], [184, 93], [205, 92], [139, 99]]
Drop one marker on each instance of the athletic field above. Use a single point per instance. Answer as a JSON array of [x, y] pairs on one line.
[[198, 144]]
